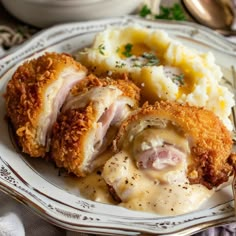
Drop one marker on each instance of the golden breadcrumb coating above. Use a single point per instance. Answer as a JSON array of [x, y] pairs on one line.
[[210, 141], [71, 132], [122, 82], [25, 96], [69, 135]]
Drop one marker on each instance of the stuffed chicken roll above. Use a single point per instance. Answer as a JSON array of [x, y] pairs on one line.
[[89, 122], [35, 95], [169, 157]]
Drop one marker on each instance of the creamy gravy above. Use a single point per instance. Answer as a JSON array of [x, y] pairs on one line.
[[165, 192], [93, 187], [140, 191]]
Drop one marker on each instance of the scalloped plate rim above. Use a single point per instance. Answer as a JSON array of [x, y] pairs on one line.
[[66, 36]]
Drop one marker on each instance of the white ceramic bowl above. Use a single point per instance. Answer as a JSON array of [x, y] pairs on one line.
[[44, 13]]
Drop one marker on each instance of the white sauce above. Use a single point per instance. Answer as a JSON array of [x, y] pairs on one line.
[[165, 192], [169, 195], [93, 187]]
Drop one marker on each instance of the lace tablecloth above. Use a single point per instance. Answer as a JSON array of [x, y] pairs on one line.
[[15, 218]]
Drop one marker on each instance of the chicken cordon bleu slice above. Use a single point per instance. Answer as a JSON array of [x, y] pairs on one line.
[[169, 158], [35, 95], [89, 122]]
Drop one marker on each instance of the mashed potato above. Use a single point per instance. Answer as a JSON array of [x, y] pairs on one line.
[[162, 67]]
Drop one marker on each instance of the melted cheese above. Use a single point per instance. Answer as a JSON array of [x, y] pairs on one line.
[[150, 137]]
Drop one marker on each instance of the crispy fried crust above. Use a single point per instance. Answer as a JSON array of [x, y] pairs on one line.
[[210, 141], [122, 82], [68, 137], [25, 96], [72, 129]]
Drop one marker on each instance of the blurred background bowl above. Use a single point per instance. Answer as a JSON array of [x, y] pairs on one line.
[[45, 13]]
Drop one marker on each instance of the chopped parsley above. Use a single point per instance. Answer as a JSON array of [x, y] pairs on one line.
[[128, 50], [149, 59], [120, 64], [145, 11], [152, 59], [178, 79], [145, 59], [174, 12], [101, 49], [171, 13]]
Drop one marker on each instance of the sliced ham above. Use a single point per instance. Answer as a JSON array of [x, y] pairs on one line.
[[111, 117], [160, 157], [89, 123]]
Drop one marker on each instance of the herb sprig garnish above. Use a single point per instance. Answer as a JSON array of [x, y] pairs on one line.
[[171, 13], [168, 13], [128, 50], [145, 11]]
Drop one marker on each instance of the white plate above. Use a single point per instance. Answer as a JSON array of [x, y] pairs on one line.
[[36, 182]]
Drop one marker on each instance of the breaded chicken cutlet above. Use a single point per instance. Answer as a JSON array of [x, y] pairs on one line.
[[34, 96], [89, 121], [169, 158], [166, 133]]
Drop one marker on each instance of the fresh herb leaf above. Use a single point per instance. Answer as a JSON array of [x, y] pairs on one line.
[[119, 64], [174, 12], [171, 13], [149, 59], [128, 50], [152, 59], [178, 79], [145, 11], [178, 13], [101, 49]]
